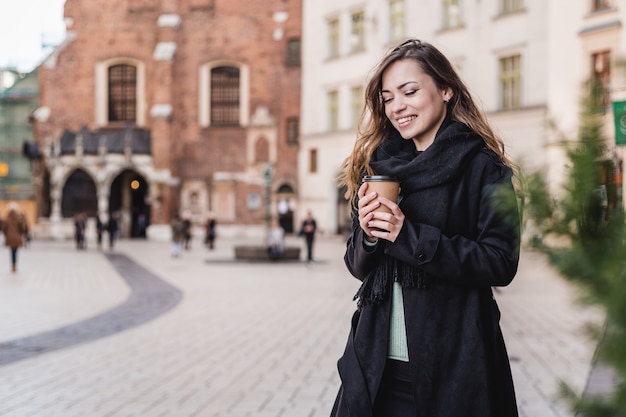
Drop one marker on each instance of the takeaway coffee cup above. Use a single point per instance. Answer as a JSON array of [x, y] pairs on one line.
[[385, 186]]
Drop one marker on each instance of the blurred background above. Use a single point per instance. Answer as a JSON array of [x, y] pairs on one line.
[[144, 109]]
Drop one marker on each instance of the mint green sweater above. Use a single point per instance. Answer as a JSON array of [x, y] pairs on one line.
[[398, 348]]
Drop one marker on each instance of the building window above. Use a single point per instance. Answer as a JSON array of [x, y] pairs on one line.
[[510, 83], [357, 39], [118, 93], [601, 77], [451, 14], [396, 20], [333, 110], [293, 53], [333, 38], [312, 161], [600, 5], [122, 81], [225, 96], [510, 6], [357, 104], [293, 130]]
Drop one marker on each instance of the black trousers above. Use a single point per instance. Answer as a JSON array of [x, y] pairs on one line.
[[13, 256], [309, 246], [395, 394]]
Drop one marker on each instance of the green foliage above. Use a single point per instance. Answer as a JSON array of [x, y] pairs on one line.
[[591, 251]]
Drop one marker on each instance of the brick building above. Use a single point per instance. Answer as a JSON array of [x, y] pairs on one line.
[[151, 108]]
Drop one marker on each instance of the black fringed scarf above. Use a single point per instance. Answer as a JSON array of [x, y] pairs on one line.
[[425, 182]]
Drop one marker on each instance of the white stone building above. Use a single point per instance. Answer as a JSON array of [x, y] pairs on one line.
[[526, 62]]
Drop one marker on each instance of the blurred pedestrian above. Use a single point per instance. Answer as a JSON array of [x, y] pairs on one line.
[[27, 236], [99, 230], [210, 232], [112, 229], [275, 240], [14, 228], [187, 230], [308, 229], [178, 235], [80, 224], [142, 224]]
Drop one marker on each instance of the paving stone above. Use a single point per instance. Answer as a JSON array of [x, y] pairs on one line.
[[257, 340]]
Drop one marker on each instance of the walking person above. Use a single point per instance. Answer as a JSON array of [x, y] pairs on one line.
[[15, 229], [142, 224], [178, 235], [309, 226], [99, 230], [425, 339], [112, 228], [186, 219], [80, 224], [210, 232]]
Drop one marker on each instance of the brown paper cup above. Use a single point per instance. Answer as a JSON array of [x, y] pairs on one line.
[[385, 186]]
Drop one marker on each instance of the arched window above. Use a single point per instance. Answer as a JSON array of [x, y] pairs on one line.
[[120, 96], [225, 96], [122, 82]]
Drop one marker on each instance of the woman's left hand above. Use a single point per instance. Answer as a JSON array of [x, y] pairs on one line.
[[387, 225]]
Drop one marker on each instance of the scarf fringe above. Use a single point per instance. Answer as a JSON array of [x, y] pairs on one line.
[[375, 286]]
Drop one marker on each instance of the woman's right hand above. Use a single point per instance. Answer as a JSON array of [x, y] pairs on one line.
[[366, 205]]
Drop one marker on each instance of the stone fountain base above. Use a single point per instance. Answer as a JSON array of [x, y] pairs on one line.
[[259, 253]]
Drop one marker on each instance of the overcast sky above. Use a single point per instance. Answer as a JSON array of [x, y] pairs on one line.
[[24, 25]]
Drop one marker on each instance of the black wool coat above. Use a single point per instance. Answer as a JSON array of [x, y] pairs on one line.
[[457, 355]]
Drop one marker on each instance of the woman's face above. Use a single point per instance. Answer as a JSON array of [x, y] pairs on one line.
[[413, 103]]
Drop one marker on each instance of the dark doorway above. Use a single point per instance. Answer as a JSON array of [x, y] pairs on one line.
[[79, 195], [129, 192], [285, 197]]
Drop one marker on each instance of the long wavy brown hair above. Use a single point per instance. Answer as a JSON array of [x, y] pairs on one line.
[[374, 126]]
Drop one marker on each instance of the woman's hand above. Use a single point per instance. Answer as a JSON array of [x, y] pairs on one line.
[[377, 224]]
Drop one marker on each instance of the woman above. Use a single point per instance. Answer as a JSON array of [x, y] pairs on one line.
[[425, 339], [15, 229]]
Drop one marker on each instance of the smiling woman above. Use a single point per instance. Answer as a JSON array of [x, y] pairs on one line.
[[426, 339], [32, 34]]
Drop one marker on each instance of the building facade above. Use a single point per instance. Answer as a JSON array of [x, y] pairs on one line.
[[153, 108], [526, 62], [19, 94]]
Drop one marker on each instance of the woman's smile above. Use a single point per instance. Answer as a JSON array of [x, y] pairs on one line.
[[404, 121]]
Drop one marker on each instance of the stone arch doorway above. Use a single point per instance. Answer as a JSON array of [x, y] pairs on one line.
[[79, 195], [128, 203]]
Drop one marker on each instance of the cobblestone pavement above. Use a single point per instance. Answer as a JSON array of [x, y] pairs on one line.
[[149, 298], [245, 339]]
